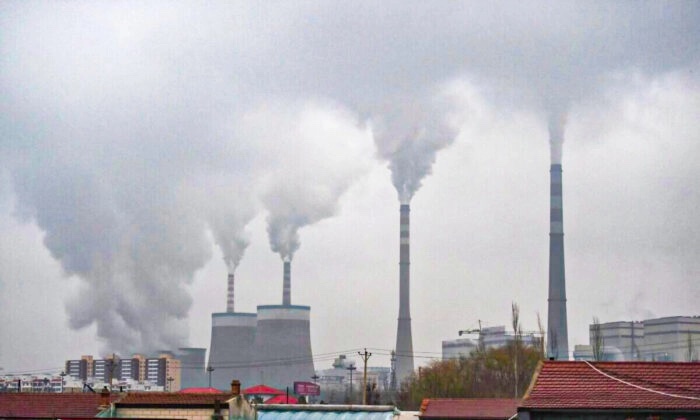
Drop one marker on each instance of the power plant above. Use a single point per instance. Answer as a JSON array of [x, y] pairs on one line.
[[557, 332], [404, 340], [231, 349], [272, 346]]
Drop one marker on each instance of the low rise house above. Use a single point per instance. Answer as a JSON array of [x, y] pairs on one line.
[[613, 390], [44, 405]]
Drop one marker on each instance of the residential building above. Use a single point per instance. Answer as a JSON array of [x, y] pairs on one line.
[[613, 390]]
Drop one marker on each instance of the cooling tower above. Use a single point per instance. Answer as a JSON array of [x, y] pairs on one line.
[[231, 350], [404, 341], [557, 333], [282, 346], [192, 361]]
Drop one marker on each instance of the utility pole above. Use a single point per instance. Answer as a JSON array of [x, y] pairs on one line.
[[170, 383], [365, 356], [351, 368], [210, 369]]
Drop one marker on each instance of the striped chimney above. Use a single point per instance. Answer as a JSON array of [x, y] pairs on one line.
[[287, 284], [557, 331], [229, 294], [404, 340]]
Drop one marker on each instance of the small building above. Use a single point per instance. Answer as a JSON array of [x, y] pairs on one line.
[[468, 408], [162, 405], [613, 390]]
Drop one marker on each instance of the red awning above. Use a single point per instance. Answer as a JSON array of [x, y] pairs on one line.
[[262, 390], [201, 391]]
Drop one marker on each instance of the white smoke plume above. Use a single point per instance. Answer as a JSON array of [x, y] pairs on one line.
[[557, 126], [408, 133]]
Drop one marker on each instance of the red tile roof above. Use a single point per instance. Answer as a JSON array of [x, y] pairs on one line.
[[171, 399], [35, 405], [615, 385], [262, 390], [469, 408]]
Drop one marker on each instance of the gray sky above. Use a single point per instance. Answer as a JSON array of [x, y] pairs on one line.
[[145, 148]]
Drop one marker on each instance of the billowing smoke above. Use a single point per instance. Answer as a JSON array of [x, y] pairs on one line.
[[408, 133], [557, 125], [229, 211]]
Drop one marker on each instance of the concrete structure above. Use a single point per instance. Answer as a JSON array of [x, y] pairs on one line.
[[282, 352], [404, 339], [675, 338], [231, 349], [557, 330], [490, 337], [287, 283], [192, 365], [229, 294]]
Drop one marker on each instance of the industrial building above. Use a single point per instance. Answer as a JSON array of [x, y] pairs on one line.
[[272, 346], [675, 338], [489, 337]]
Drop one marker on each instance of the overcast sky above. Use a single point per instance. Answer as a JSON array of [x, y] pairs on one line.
[[148, 148]]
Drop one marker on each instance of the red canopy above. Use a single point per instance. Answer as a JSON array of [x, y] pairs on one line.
[[262, 390], [201, 391], [282, 399]]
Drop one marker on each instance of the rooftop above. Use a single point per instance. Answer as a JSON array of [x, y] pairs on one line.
[[172, 399], [469, 408], [51, 405], [615, 385]]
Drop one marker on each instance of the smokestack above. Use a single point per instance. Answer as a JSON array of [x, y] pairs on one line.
[[404, 340], [287, 284], [557, 331], [229, 295]]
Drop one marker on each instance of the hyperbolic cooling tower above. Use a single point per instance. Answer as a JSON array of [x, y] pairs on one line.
[[231, 350], [283, 341], [404, 340], [557, 332], [192, 362], [283, 346]]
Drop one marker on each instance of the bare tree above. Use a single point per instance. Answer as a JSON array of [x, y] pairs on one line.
[[597, 341], [540, 341]]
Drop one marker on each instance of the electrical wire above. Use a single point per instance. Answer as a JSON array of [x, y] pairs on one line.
[[640, 387]]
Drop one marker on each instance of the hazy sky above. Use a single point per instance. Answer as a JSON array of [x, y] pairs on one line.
[[145, 148]]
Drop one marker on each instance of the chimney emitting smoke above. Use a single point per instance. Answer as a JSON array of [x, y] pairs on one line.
[[287, 284], [229, 295], [557, 331], [404, 340]]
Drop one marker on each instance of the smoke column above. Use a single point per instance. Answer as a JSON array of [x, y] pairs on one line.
[[557, 330]]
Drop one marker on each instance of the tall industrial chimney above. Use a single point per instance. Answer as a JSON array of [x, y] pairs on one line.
[[287, 284], [229, 295], [557, 331], [404, 340]]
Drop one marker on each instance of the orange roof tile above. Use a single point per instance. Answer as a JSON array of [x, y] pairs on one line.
[[615, 385]]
